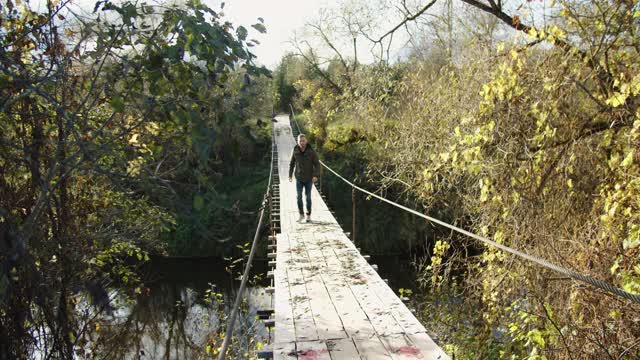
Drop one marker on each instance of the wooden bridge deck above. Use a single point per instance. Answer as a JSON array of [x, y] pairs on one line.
[[329, 303]]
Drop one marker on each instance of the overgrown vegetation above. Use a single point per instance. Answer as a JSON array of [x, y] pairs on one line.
[[528, 135], [132, 131], [117, 132]]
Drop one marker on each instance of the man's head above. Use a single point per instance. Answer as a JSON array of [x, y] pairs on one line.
[[302, 141]]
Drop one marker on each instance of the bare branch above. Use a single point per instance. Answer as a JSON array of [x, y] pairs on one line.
[[604, 76], [406, 20], [329, 43], [315, 65]]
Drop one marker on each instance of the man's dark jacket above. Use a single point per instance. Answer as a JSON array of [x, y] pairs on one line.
[[305, 162]]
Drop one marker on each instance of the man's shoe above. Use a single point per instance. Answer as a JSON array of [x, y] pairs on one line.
[[301, 217], [308, 218]]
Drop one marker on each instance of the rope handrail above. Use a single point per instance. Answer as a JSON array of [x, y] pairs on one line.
[[542, 262], [293, 116], [245, 275]]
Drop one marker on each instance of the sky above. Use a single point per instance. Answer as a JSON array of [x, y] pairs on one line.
[[284, 17], [281, 18]]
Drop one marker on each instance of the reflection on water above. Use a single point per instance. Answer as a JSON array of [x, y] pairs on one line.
[[172, 320]]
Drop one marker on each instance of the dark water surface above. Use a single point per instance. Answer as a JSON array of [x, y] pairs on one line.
[[172, 320]]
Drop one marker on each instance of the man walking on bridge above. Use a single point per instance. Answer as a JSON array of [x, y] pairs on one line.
[[307, 167]]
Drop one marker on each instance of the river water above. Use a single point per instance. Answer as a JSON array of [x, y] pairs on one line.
[[172, 320]]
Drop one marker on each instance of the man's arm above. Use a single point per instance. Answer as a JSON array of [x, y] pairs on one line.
[[292, 164]]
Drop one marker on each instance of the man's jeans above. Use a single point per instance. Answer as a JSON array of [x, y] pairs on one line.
[[307, 190]]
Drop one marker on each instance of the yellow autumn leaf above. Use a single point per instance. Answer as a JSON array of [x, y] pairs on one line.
[[628, 160], [617, 99], [498, 236], [615, 267], [635, 85], [133, 139]]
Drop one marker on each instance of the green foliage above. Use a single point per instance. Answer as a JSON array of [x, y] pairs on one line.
[[246, 340], [224, 216], [289, 71], [112, 133], [533, 146]]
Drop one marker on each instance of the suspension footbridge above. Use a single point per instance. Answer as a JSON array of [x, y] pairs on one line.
[[329, 302]]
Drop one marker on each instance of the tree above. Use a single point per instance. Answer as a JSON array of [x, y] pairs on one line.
[[532, 142], [96, 115]]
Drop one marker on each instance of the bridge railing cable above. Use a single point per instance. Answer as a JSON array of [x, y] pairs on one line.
[[535, 259], [293, 117], [245, 276]]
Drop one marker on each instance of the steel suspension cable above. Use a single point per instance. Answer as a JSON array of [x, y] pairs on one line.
[[293, 116], [245, 276], [542, 262]]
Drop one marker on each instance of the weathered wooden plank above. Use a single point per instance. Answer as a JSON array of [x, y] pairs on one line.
[[386, 296], [283, 311], [302, 312], [364, 291], [325, 315], [342, 349], [329, 282], [282, 250], [371, 348], [381, 318], [324, 215], [284, 351], [429, 348], [316, 350], [398, 309], [355, 320], [284, 330], [401, 348]]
